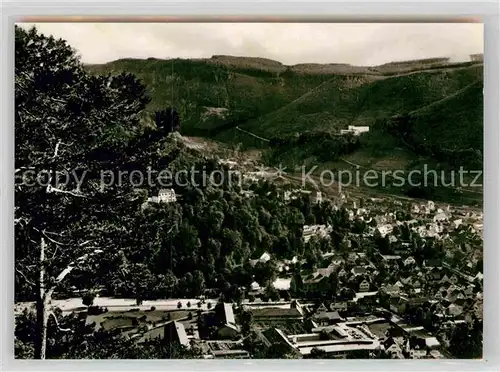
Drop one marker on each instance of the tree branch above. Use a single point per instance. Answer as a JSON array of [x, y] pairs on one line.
[[56, 150], [51, 189], [21, 219], [58, 100], [25, 277], [53, 240], [58, 144], [23, 168], [50, 232], [57, 323], [70, 268]]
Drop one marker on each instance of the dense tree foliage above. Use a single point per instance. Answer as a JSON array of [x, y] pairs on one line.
[[167, 120], [324, 146], [72, 128]]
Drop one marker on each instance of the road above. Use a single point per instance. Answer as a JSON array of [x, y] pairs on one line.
[[119, 304]]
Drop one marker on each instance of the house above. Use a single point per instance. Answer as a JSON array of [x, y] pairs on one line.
[[273, 336], [321, 231], [445, 279], [253, 262], [420, 340], [399, 284], [265, 257], [282, 284], [390, 257], [432, 263], [322, 309], [415, 208], [166, 196], [407, 281], [355, 130], [385, 229], [361, 211], [247, 193], [409, 261], [474, 311], [358, 270], [255, 286], [392, 239], [364, 286], [397, 305], [316, 282], [454, 310], [441, 293], [338, 306], [327, 318], [392, 348], [416, 284], [435, 274], [278, 315], [391, 289], [439, 217], [478, 308], [171, 332], [469, 291], [225, 318]]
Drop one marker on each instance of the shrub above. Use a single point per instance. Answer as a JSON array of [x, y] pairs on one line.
[[88, 299]]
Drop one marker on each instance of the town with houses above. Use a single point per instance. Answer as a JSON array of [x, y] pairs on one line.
[[272, 267], [386, 301]]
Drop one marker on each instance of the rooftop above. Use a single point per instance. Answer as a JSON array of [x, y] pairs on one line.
[[340, 346], [276, 312]]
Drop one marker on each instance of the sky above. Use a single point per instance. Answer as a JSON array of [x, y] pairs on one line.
[[365, 44]]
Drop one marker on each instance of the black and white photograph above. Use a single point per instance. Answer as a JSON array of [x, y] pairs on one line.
[[246, 190]]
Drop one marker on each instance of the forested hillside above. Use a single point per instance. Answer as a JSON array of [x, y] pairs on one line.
[[271, 100]]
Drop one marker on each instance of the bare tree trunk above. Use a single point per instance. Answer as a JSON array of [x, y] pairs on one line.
[[41, 336], [41, 309], [44, 298]]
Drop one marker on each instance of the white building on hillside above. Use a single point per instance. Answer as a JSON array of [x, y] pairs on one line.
[[322, 231], [356, 130], [166, 196], [265, 257]]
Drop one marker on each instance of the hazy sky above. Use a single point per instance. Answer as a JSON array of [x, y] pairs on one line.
[[290, 43]]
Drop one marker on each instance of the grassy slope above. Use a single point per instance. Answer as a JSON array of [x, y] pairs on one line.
[[455, 122], [361, 100]]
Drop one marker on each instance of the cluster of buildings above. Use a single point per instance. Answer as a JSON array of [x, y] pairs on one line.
[[392, 304], [299, 328], [443, 294]]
